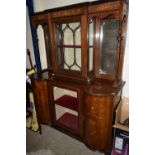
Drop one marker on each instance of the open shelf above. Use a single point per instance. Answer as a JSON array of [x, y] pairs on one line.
[[68, 102], [69, 120]]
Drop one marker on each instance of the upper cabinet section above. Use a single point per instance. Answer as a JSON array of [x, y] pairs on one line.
[[84, 41]]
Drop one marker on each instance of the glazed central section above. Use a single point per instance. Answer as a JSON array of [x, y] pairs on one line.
[[66, 108]]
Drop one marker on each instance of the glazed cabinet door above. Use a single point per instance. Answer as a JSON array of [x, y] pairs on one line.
[[107, 48], [42, 101], [70, 47], [67, 108]]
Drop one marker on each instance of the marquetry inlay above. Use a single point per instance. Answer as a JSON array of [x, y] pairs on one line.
[[41, 17], [104, 7], [65, 13]]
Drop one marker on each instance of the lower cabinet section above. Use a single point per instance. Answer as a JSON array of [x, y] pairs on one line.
[[71, 109]]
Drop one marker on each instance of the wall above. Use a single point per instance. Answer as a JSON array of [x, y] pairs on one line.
[[126, 68], [29, 41], [40, 5]]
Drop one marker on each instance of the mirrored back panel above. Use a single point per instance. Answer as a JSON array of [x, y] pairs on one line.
[[109, 31]]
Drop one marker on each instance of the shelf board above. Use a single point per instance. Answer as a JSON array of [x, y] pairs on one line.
[[69, 120], [68, 102]]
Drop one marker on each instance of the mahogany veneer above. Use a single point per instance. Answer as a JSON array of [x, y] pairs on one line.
[[99, 88]]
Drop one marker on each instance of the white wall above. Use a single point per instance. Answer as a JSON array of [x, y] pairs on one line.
[[126, 68], [40, 5], [29, 41]]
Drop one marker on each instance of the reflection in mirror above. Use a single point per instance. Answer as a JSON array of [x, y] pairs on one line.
[[41, 46], [108, 46]]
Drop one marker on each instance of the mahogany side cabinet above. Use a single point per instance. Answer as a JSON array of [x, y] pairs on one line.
[[80, 83]]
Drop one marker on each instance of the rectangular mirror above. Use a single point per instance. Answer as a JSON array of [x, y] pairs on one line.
[[109, 29]]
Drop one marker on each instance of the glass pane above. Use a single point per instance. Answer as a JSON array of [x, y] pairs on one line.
[[72, 59], [68, 36], [48, 43], [91, 32], [66, 107], [73, 26], [41, 46], [68, 57], [108, 46], [77, 62], [64, 26], [90, 59], [77, 33], [91, 39], [59, 56], [58, 34], [78, 56]]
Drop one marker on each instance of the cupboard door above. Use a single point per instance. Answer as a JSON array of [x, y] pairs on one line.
[[70, 47], [68, 108], [98, 122], [42, 102]]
